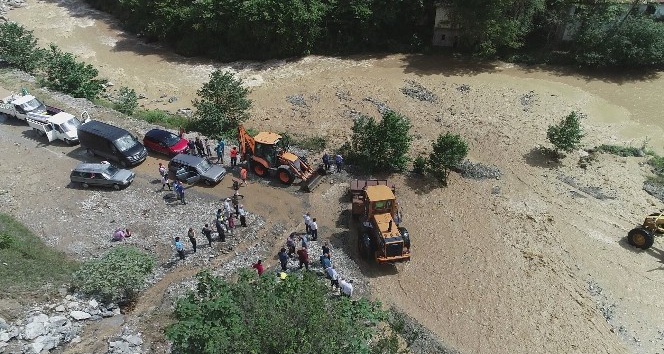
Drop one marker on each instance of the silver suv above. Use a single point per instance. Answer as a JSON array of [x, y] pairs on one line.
[[101, 174], [191, 169]]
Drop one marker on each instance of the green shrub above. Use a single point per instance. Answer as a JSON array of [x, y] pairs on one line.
[[657, 164], [448, 151], [419, 165], [265, 315], [63, 73], [567, 134], [19, 47], [127, 101], [31, 265], [223, 105], [117, 276], [624, 151], [379, 146], [311, 143], [162, 118]]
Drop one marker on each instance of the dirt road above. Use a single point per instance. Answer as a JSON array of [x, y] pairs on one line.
[[532, 262]]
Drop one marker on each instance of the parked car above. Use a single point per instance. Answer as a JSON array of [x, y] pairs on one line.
[[101, 174], [165, 142], [110, 142], [191, 169]]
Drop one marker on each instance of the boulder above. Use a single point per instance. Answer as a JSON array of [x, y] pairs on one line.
[[33, 330], [133, 340], [56, 322], [39, 318], [3, 324], [60, 308], [79, 315], [93, 303], [120, 346], [47, 342], [4, 336]]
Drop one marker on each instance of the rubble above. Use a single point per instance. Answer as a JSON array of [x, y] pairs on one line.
[[415, 90], [474, 170]]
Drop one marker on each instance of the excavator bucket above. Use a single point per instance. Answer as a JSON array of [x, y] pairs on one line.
[[314, 180]]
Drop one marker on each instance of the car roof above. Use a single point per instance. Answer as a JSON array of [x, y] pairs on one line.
[[61, 117], [188, 159], [91, 167], [158, 134], [23, 99], [102, 129]]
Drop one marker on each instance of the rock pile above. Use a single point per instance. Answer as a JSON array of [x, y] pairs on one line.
[[381, 106], [50, 326], [128, 343], [478, 171], [415, 90]]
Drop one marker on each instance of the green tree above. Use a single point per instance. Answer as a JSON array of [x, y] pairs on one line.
[[117, 276], [223, 105], [65, 74], [19, 47], [380, 146], [567, 134], [266, 315], [127, 101], [448, 151]]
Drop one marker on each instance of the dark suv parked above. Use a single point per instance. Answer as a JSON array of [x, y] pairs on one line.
[[101, 174], [191, 169], [112, 143]]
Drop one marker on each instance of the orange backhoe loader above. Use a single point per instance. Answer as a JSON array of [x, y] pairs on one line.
[[266, 155]]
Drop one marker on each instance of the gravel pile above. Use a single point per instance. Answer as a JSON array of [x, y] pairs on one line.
[[528, 100], [297, 100], [474, 170], [381, 106], [415, 90], [653, 189], [463, 88], [343, 95]]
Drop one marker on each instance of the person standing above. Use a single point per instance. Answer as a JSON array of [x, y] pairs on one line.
[[307, 222], [179, 247], [236, 203], [200, 148], [326, 249], [243, 216], [181, 133], [314, 229], [192, 147], [326, 161], [179, 189], [290, 243], [283, 259], [346, 288], [165, 182], [220, 227], [303, 258], [259, 267], [162, 169], [192, 238], [207, 148], [233, 157], [227, 208], [207, 232], [339, 161], [243, 176], [220, 151], [231, 223], [304, 239], [325, 260], [333, 276]]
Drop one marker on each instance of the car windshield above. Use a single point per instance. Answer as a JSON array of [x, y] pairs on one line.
[[171, 139], [110, 172], [70, 125], [32, 105], [203, 166], [126, 142]]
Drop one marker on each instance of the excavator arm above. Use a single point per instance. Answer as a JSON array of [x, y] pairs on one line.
[[247, 143]]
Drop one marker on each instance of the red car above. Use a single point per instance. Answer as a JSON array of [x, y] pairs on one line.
[[165, 142]]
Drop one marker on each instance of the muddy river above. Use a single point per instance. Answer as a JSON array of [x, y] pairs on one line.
[[630, 103]]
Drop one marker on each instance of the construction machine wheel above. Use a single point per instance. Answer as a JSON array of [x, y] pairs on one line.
[[285, 176], [259, 169], [640, 238], [405, 236]]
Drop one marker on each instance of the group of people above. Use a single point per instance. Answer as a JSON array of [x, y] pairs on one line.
[[199, 147], [338, 162]]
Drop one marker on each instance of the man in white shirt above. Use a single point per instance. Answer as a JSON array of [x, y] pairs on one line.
[[307, 222], [346, 288], [333, 276], [314, 229]]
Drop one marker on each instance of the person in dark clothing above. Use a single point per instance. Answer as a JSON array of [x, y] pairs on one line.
[[192, 147], [326, 161], [207, 148], [207, 231], [220, 231], [303, 257], [290, 243], [200, 147], [192, 238], [283, 259], [326, 249]]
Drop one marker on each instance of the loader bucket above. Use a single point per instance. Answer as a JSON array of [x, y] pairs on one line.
[[313, 181]]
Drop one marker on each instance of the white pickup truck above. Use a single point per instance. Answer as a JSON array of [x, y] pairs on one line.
[[18, 106], [61, 126]]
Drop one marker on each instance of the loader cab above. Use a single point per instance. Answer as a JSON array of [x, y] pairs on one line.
[[268, 146], [379, 199]]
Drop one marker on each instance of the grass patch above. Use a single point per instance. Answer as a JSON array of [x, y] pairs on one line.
[[624, 151], [168, 120], [30, 264], [103, 103], [657, 164], [311, 143]]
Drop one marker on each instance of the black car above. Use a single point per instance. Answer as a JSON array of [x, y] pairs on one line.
[[191, 169], [112, 143], [101, 174], [165, 142]]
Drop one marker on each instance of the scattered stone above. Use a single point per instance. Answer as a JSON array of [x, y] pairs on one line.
[[297, 100], [463, 88], [60, 308], [382, 107], [93, 303], [415, 90], [172, 99], [33, 330], [4, 336], [79, 315], [133, 340], [343, 95], [56, 322], [528, 100], [46, 342], [478, 171]]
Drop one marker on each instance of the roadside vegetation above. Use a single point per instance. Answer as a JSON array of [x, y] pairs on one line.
[[27, 265], [268, 315], [566, 135], [117, 276]]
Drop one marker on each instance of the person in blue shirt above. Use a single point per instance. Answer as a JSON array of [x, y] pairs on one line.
[[179, 247], [220, 151], [326, 161], [339, 161], [283, 258], [325, 261]]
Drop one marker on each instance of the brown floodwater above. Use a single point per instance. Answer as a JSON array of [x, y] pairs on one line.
[[629, 103]]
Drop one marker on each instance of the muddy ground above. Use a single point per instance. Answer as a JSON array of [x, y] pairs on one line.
[[534, 261]]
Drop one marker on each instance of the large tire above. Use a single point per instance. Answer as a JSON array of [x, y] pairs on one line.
[[124, 164], [259, 169], [116, 186], [640, 238], [285, 176], [405, 236], [85, 185]]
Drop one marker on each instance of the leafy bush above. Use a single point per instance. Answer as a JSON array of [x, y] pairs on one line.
[[65, 74], [657, 164], [223, 105], [162, 118], [567, 134], [379, 146], [419, 165], [117, 276], [265, 315], [30, 264], [624, 151], [448, 151], [127, 101], [19, 47]]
